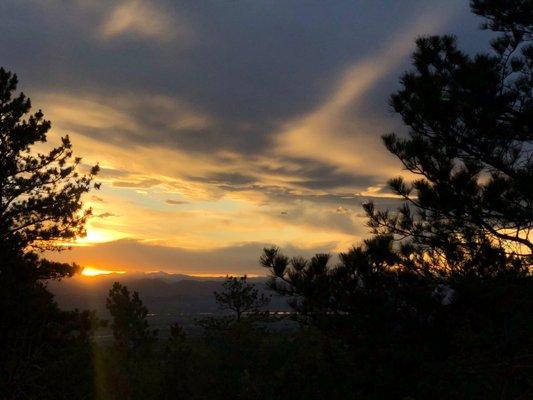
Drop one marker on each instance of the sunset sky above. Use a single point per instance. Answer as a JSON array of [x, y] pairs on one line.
[[222, 126]]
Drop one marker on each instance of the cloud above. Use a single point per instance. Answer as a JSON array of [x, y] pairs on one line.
[[126, 118], [109, 128], [337, 132], [132, 255], [176, 202], [140, 18], [231, 195], [323, 218], [105, 215], [212, 224], [139, 183]]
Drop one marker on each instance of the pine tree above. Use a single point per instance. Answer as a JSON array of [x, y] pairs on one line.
[[40, 193], [40, 208], [470, 142], [130, 327], [240, 297]]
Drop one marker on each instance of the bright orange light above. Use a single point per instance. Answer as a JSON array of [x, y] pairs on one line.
[[96, 236], [90, 271]]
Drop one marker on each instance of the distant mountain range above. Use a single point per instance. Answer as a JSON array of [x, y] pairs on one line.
[[162, 293]]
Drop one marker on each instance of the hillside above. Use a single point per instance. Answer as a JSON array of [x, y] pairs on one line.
[[163, 294]]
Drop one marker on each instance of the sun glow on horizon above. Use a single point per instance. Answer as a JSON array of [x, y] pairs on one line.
[[90, 271]]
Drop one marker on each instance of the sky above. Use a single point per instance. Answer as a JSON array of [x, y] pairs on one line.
[[223, 126]]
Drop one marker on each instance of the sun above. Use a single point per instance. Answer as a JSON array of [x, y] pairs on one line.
[[91, 271]]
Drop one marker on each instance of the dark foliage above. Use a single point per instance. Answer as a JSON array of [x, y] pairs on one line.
[[130, 328], [129, 367], [470, 142], [438, 303], [240, 297], [40, 193], [409, 336], [45, 352]]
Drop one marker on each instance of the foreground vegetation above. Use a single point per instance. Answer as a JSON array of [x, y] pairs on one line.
[[462, 350], [436, 304]]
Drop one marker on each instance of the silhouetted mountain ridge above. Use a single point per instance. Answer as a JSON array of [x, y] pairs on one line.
[[161, 292]]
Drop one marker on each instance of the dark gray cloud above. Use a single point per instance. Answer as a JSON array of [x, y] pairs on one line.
[[313, 174], [251, 65], [284, 195], [302, 173], [225, 178]]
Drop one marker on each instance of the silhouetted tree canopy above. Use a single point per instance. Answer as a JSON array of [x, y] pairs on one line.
[[45, 352], [130, 328], [40, 191], [240, 297], [438, 302], [470, 142], [365, 285]]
